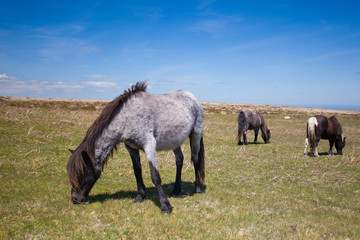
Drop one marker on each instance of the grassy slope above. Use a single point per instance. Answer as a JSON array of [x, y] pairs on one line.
[[252, 192]]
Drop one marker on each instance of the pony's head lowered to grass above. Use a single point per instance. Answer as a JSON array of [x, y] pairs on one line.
[[83, 169]]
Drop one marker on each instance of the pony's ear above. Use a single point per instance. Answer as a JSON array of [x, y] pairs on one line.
[[87, 159], [72, 151]]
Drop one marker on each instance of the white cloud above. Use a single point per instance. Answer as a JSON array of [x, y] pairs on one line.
[[5, 77], [12, 86], [100, 84], [101, 77]]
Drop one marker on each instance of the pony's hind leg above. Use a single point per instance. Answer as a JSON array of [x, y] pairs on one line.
[[239, 136], [256, 135], [179, 164], [239, 139], [245, 139], [306, 145], [150, 151], [135, 157], [316, 154]]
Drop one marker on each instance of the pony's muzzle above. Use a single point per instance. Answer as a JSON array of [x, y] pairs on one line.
[[77, 198]]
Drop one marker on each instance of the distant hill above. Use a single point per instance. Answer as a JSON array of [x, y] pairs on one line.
[[209, 107]]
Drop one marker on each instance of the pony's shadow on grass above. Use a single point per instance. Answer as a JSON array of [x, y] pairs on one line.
[[187, 189], [327, 154], [252, 143], [323, 154]]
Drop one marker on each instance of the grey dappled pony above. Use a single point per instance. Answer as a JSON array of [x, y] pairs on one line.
[[253, 121], [146, 122]]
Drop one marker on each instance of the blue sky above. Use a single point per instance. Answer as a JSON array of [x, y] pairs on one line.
[[261, 52]]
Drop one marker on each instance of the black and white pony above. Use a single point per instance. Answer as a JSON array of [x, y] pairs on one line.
[[146, 122], [320, 127], [253, 121]]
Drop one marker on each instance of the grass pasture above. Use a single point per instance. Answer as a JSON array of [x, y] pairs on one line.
[[263, 191]]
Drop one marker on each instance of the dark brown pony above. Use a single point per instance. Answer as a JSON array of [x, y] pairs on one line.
[[253, 121], [320, 127]]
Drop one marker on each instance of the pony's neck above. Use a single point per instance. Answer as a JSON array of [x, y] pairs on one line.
[[106, 143], [264, 129]]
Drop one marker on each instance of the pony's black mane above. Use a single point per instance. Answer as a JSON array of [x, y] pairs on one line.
[[107, 115], [76, 165]]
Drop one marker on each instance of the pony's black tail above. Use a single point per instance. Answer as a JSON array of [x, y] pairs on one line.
[[241, 124], [202, 161], [200, 165]]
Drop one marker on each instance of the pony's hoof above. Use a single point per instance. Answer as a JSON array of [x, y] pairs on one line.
[[176, 192], [139, 199], [175, 195], [198, 190], [167, 212], [166, 209]]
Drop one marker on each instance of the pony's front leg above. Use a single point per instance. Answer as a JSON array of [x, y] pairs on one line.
[[331, 142], [179, 164], [150, 152], [135, 157]]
